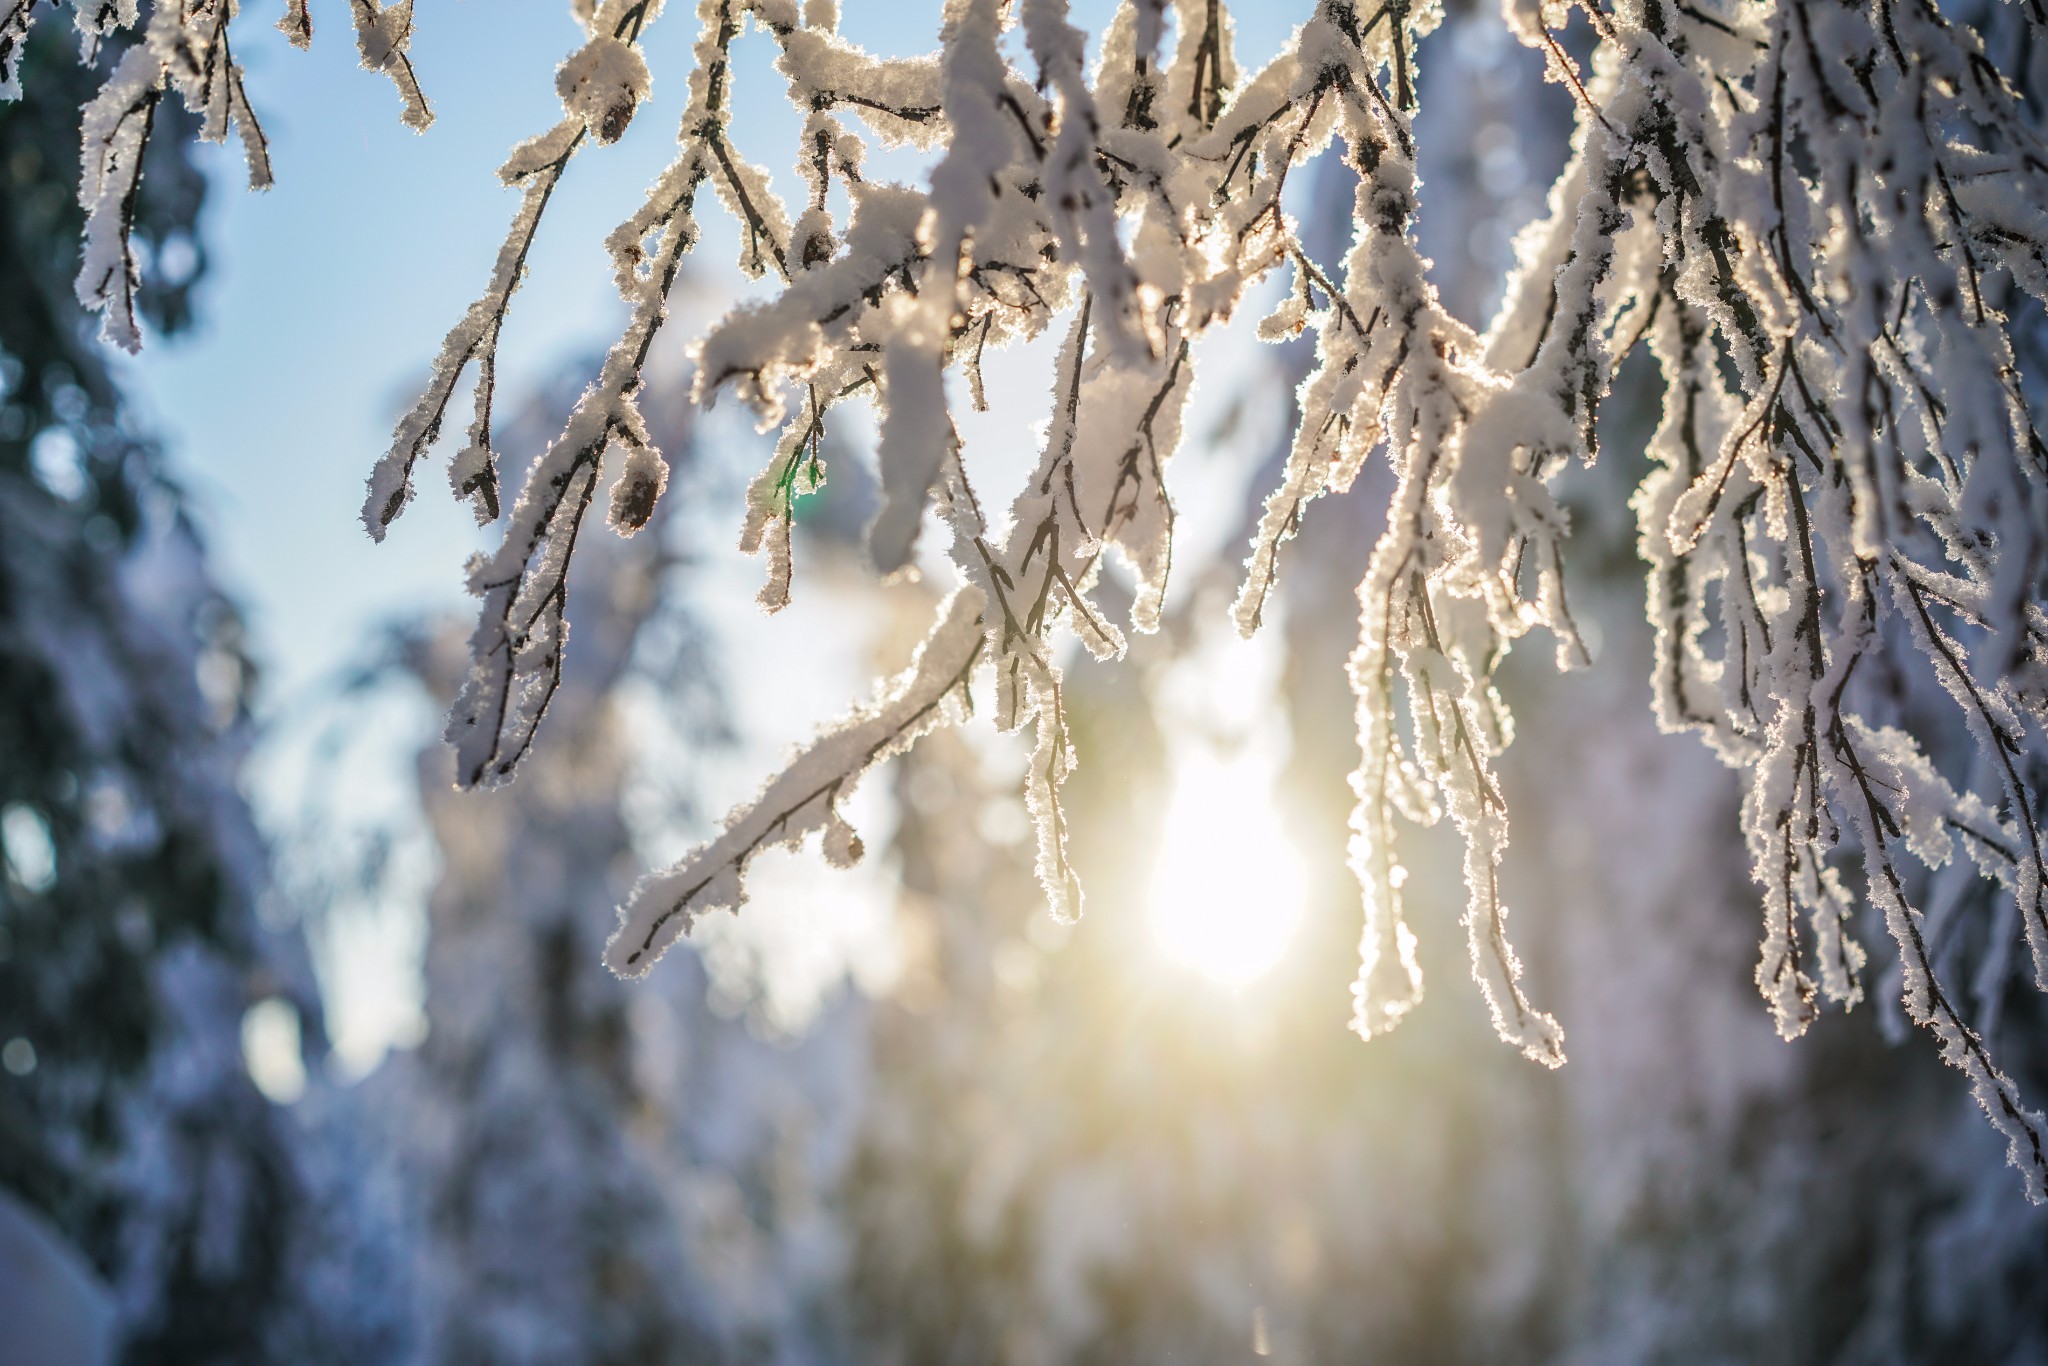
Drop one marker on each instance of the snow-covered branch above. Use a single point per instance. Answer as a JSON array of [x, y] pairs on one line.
[[1817, 216], [186, 46], [1824, 219]]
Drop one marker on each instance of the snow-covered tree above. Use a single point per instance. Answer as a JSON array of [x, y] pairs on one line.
[[221, 1225], [1823, 220]]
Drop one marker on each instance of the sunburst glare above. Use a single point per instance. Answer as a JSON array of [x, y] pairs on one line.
[[1227, 891]]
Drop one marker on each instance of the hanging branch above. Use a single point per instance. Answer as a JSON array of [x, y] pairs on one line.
[[1821, 218]]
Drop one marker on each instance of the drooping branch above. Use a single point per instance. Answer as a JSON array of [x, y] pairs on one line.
[[1824, 219]]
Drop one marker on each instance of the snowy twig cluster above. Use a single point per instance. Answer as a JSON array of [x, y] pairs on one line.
[[183, 46], [1827, 219]]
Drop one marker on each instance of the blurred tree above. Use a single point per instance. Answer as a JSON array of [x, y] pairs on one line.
[[595, 1173], [130, 941]]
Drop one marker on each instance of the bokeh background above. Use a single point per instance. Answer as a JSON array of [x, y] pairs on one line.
[[309, 1057]]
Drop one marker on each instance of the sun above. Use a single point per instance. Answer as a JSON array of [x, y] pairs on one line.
[[1227, 891]]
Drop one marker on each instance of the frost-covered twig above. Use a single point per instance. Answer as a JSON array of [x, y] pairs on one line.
[[185, 46], [805, 796], [383, 33]]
